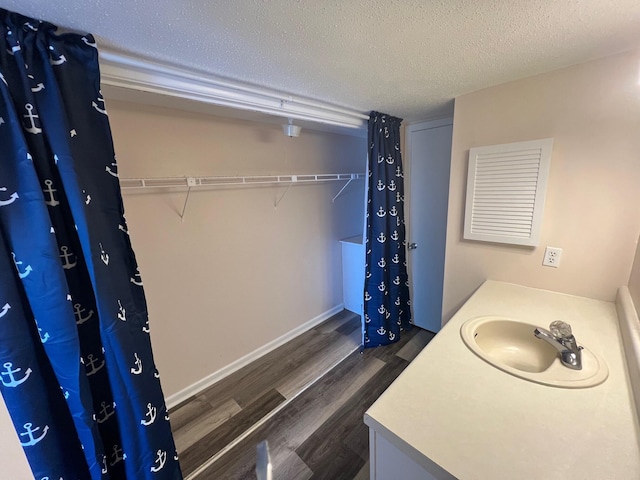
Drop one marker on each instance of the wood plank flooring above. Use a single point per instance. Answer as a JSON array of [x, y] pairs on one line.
[[307, 398]]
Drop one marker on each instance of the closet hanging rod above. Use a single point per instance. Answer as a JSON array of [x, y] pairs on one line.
[[192, 182]]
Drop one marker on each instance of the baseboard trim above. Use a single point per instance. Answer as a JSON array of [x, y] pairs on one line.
[[195, 388]]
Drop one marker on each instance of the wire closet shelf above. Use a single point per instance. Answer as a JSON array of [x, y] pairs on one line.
[[131, 184], [172, 183]]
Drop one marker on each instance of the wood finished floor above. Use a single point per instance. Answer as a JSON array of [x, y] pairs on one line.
[[307, 398]]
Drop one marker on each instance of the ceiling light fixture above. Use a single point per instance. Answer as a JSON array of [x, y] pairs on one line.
[[291, 130]]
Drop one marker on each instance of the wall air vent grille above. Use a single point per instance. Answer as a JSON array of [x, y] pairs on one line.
[[505, 192]]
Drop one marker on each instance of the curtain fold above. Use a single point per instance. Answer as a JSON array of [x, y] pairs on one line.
[[76, 366], [386, 294]]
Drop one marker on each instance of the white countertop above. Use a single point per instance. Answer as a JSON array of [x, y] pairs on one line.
[[357, 240], [476, 422]]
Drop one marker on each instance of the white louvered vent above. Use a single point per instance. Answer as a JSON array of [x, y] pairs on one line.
[[505, 192]]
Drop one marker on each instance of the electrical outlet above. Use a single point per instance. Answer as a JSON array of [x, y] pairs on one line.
[[552, 257]]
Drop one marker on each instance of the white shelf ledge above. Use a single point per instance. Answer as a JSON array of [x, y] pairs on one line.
[[142, 75]]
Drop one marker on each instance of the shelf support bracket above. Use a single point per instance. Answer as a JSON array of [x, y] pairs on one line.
[[342, 190], [191, 182], [275, 205]]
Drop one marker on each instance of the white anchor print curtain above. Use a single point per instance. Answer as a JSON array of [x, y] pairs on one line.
[[76, 368], [386, 293]]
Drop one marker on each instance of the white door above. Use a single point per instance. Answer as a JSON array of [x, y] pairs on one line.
[[427, 182]]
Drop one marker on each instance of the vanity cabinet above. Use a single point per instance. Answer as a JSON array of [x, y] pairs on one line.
[[353, 262]]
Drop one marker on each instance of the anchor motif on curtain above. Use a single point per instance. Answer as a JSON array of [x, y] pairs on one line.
[[104, 256], [49, 192], [78, 311], [29, 432], [160, 461], [56, 61], [87, 42], [150, 417], [108, 410], [112, 170], [136, 279], [32, 128], [12, 198], [137, 370], [118, 455], [65, 255], [9, 373], [27, 270], [95, 105], [39, 87], [90, 364], [122, 313], [43, 338]]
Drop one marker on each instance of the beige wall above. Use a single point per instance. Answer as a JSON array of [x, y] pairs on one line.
[[592, 207], [12, 457], [237, 273]]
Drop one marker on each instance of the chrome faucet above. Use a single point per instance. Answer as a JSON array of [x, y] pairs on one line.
[[561, 338]]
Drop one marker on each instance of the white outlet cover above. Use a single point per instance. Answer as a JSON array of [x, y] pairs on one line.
[[552, 257]]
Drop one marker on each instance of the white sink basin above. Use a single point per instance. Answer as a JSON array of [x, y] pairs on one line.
[[511, 346]]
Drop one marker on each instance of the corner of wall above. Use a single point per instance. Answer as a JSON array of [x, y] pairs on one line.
[[634, 278]]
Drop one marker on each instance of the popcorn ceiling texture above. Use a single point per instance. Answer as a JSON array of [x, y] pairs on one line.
[[409, 58]]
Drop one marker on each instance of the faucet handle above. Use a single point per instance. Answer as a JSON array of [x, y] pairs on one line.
[[560, 329]]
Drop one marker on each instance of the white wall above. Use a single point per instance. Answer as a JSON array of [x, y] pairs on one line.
[[12, 457], [237, 273], [592, 206]]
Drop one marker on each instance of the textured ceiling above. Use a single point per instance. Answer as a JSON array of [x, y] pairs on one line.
[[408, 58]]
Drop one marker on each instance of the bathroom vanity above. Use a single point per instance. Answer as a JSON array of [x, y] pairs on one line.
[[453, 415]]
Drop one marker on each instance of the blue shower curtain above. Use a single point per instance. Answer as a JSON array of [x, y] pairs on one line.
[[76, 368], [386, 294]]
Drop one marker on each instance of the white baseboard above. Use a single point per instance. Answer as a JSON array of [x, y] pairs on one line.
[[200, 385]]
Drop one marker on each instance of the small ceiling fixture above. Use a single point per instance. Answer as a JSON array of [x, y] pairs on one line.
[[291, 130]]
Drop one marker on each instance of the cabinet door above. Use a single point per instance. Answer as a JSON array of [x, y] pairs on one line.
[[353, 274], [390, 463]]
